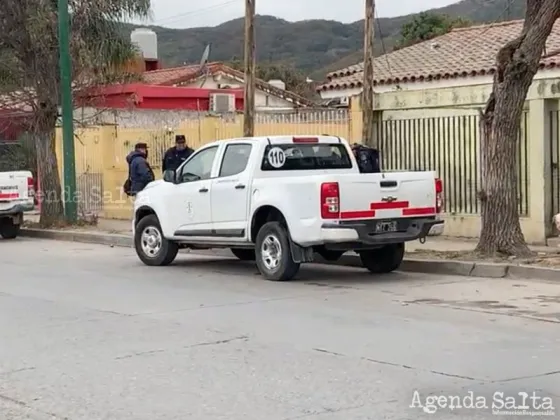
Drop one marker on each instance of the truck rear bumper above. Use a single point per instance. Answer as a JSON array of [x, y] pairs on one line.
[[361, 234], [17, 209]]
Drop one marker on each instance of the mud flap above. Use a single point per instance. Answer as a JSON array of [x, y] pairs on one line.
[[301, 254]]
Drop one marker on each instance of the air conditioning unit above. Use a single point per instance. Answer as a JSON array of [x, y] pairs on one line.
[[222, 102]]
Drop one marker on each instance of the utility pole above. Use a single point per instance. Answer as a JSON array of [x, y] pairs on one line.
[[368, 137], [69, 159], [249, 97]]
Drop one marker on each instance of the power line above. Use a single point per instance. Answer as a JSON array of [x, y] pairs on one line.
[[383, 43], [171, 19]]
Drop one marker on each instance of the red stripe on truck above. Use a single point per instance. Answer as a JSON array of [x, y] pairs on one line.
[[384, 205], [361, 214], [419, 211], [9, 196]]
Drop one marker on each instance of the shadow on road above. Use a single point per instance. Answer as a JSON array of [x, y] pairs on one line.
[[312, 274]]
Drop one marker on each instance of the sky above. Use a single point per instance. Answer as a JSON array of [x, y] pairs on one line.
[[188, 14]]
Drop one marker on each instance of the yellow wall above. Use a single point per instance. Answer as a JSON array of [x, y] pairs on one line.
[[101, 151]]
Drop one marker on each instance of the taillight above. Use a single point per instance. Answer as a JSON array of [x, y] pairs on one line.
[[30, 187], [439, 195], [330, 200], [305, 140]]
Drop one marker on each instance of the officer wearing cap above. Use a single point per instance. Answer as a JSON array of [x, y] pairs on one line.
[[140, 173], [176, 155]]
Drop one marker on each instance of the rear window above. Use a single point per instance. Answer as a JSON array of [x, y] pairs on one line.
[[301, 157]]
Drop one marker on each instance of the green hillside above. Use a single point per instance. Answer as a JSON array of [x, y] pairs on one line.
[[313, 46]]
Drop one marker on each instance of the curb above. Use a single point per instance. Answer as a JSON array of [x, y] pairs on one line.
[[425, 266], [83, 237]]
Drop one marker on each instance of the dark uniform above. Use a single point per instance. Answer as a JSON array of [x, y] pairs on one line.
[[140, 173], [176, 155]]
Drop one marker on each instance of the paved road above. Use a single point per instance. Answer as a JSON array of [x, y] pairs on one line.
[[88, 333]]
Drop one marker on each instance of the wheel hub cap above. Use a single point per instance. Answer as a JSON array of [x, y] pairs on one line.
[[271, 252], [151, 241]]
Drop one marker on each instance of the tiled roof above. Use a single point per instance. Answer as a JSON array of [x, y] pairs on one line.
[[173, 75], [184, 74], [462, 52]]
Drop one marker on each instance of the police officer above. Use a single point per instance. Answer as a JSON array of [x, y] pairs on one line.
[[140, 173], [176, 155]]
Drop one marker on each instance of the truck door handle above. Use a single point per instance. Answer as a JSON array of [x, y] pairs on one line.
[[240, 187], [203, 190]]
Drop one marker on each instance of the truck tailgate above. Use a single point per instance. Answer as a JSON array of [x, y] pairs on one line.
[[14, 188], [387, 195]]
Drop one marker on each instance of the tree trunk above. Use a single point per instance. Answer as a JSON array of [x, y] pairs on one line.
[[52, 208], [516, 64]]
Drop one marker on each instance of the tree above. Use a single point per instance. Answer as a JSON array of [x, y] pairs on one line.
[[295, 80], [425, 26], [517, 63], [29, 69]]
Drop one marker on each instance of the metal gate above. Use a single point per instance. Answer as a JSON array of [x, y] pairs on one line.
[[555, 161], [89, 171]]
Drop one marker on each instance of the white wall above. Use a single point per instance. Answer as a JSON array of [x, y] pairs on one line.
[[263, 101], [434, 84]]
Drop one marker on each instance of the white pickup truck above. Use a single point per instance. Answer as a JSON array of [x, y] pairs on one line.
[[278, 200], [17, 194]]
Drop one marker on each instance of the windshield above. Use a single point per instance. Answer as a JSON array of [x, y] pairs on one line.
[[300, 157]]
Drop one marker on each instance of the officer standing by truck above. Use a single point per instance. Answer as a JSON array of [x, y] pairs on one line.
[[177, 154]]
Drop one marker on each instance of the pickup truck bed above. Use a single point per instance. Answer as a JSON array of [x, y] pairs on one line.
[[279, 200]]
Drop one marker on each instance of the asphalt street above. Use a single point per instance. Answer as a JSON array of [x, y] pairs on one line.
[[89, 333]]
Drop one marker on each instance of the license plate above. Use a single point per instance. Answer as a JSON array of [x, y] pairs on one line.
[[8, 192], [384, 227]]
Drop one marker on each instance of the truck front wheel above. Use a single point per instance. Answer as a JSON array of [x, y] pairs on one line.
[[273, 253], [383, 260], [151, 246], [8, 229]]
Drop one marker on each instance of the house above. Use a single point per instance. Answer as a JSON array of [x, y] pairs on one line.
[[427, 104], [269, 96], [141, 96], [464, 56]]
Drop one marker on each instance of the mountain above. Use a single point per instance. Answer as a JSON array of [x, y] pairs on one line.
[[313, 46]]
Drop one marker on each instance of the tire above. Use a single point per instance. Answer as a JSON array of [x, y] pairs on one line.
[[244, 254], [167, 251], [383, 260], [329, 255], [273, 235], [9, 230]]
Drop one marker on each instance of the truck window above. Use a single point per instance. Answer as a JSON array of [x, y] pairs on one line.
[[301, 157], [236, 157], [199, 166]]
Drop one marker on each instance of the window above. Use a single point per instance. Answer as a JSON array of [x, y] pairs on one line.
[[301, 157], [235, 159], [199, 167]]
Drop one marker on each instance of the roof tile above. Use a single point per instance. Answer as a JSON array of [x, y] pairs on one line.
[[463, 52]]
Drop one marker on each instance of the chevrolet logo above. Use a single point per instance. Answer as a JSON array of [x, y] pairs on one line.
[[389, 199]]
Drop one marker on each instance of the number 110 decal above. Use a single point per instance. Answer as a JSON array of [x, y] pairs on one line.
[[276, 157]]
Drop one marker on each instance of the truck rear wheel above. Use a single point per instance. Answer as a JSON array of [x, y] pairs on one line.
[[273, 253], [383, 260], [244, 254], [8, 229], [151, 246]]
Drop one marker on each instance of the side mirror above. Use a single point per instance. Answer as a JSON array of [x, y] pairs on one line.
[[169, 176]]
